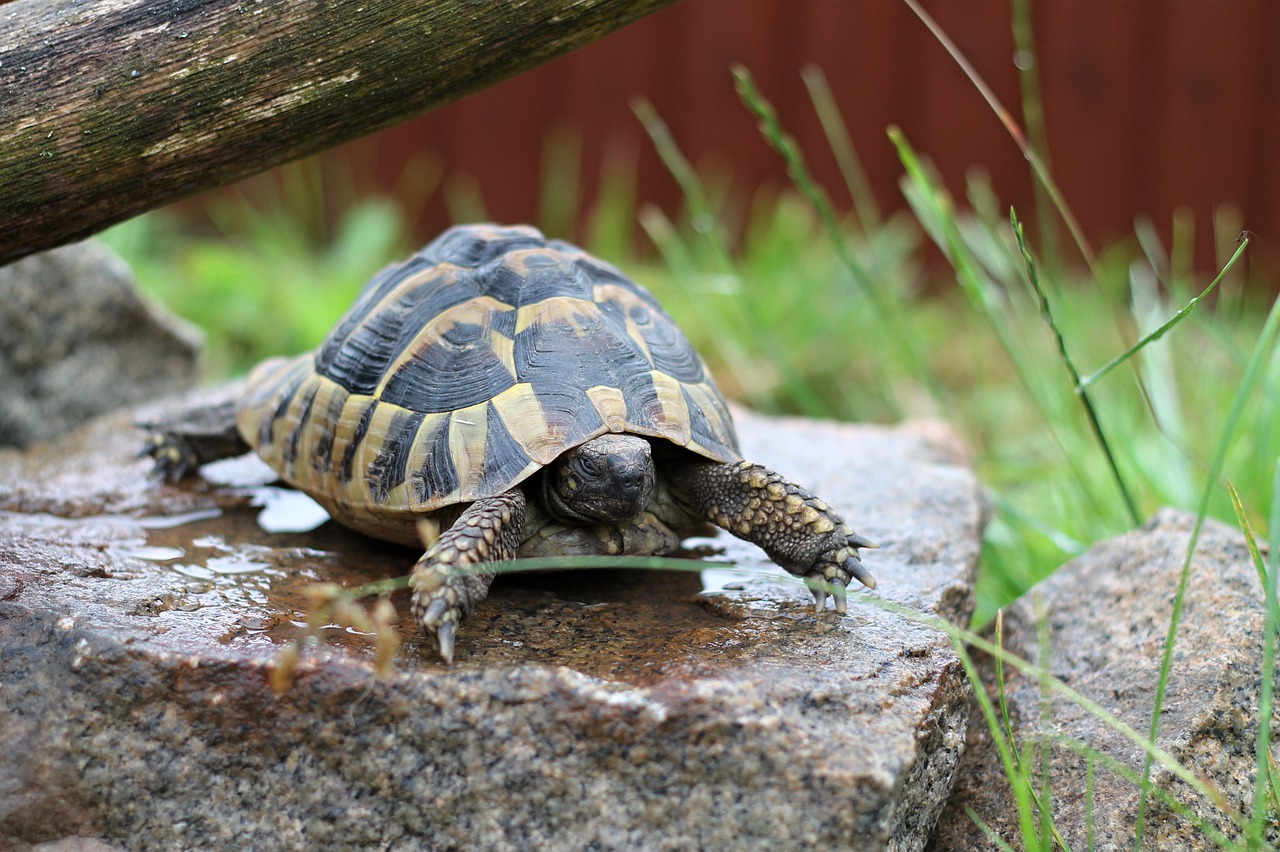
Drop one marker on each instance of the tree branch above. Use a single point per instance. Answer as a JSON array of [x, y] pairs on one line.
[[109, 108]]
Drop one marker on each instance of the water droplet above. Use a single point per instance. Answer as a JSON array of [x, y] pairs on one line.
[[257, 622]]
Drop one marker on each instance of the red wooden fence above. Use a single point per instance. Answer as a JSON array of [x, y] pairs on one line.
[[1152, 105]]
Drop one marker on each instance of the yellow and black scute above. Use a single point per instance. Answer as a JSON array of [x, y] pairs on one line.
[[462, 371]]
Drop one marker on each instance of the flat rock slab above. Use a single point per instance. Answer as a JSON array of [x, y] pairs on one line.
[[1106, 616], [601, 709]]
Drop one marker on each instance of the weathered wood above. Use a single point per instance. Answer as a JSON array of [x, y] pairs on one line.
[[109, 108]]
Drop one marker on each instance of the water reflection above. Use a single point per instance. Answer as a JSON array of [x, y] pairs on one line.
[[285, 510]]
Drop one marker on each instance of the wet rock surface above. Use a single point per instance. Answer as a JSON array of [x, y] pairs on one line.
[[79, 340], [139, 625], [1107, 616]]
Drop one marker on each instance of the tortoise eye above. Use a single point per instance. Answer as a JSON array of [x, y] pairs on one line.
[[589, 466]]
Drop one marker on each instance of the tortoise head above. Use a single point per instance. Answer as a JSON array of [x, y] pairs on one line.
[[609, 480]]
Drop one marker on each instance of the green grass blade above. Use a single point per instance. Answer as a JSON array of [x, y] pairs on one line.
[[1038, 167], [1028, 64], [934, 207], [1025, 793], [941, 216], [964, 639], [886, 310], [1044, 770], [1091, 411], [686, 177], [545, 563], [999, 842], [464, 200], [1006, 748], [1090, 768], [1261, 353], [1263, 780], [559, 180], [707, 224], [833, 127], [1014, 513], [662, 233], [1160, 332], [1273, 552], [1093, 757], [1039, 797]]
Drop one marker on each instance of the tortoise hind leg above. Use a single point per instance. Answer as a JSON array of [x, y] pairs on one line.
[[488, 531], [797, 530], [181, 440]]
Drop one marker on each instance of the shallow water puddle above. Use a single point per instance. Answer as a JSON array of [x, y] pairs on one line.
[[237, 572], [258, 562]]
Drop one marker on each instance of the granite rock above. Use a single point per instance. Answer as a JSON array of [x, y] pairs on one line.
[[605, 709], [1106, 617], [79, 340]]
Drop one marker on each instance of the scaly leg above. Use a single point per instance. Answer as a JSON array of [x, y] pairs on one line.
[[488, 531], [184, 438], [798, 531]]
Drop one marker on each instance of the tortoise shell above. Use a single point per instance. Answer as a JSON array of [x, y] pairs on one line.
[[462, 371]]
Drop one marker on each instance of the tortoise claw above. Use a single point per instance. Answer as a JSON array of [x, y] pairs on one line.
[[856, 540], [839, 592], [858, 572], [819, 596], [835, 587], [437, 619], [173, 459], [444, 635]]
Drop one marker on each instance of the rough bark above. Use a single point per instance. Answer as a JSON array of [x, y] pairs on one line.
[[109, 108]]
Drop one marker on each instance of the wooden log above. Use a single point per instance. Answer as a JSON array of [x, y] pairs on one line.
[[109, 108]]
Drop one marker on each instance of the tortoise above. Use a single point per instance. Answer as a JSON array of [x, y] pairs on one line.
[[530, 400]]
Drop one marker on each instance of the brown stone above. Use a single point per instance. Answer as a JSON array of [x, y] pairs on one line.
[[1107, 615], [602, 709], [79, 339]]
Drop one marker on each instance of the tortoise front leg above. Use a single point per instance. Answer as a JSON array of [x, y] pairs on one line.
[[488, 531], [799, 532]]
